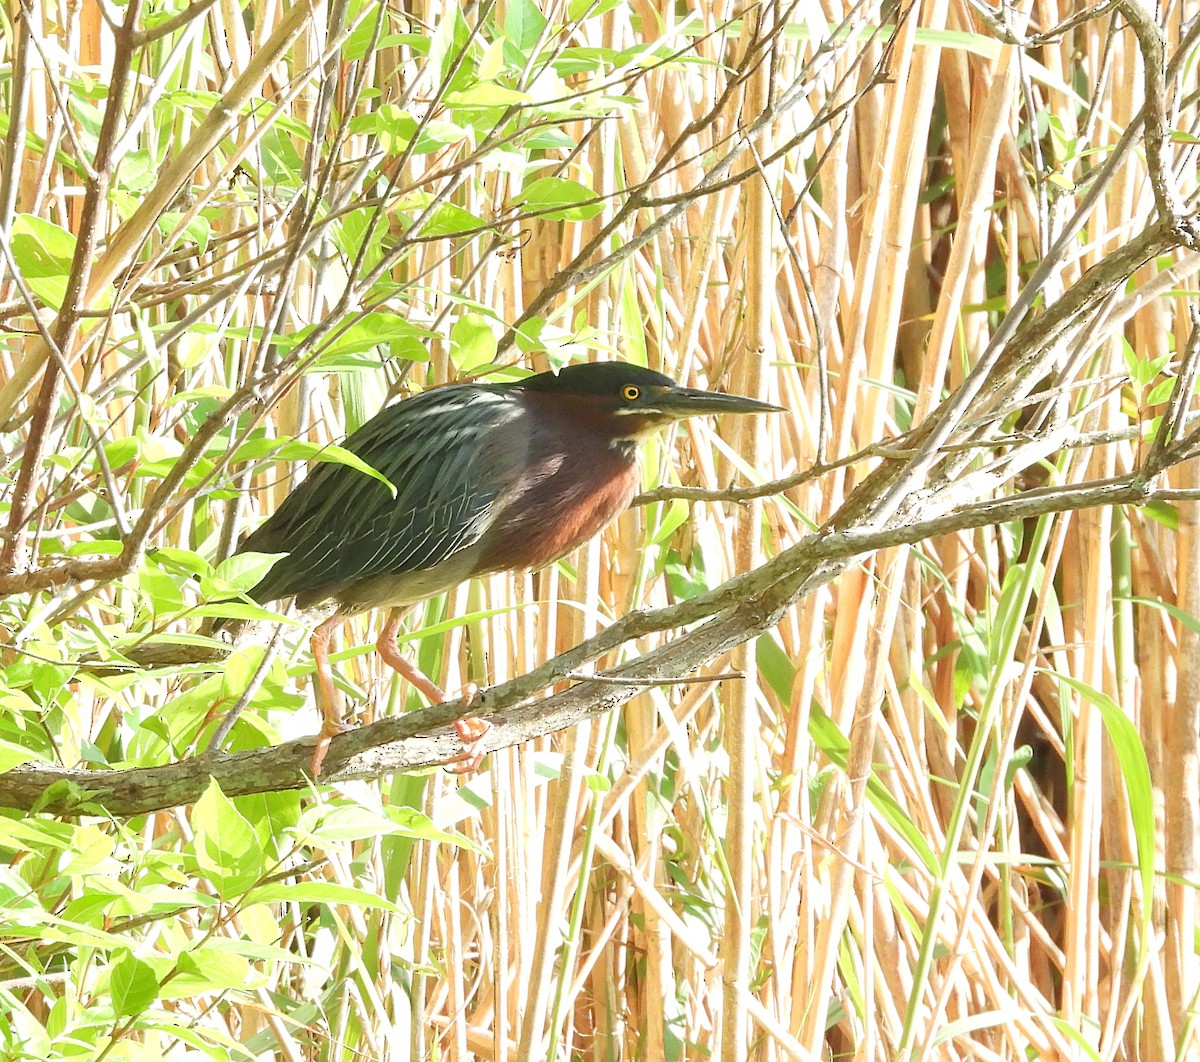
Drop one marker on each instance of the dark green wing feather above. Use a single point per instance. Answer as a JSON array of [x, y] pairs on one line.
[[446, 452]]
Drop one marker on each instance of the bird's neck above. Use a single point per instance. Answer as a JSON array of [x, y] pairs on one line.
[[625, 448]]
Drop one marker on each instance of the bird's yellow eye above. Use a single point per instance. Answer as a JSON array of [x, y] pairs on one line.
[[630, 393]]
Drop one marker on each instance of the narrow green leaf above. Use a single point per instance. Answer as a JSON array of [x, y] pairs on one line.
[[1135, 772], [287, 449], [319, 892]]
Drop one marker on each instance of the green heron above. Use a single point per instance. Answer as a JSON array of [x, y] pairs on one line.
[[488, 477]]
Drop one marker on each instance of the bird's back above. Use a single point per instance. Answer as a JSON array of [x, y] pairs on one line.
[[448, 453]]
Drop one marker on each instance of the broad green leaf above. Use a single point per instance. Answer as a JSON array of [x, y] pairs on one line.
[[161, 591], [560, 199], [238, 669], [197, 231], [1161, 391], [132, 985], [242, 611], [446, 45], [420, 827], [92, 847], [243, 571], [227, 848], [672, 518], [577, 9], [13, 755], [43, 253], [194, 348], [472, 343], [205, 970], [396, 130], [450, 220], [523, 25], [529, 334], [36, 835], [492, 62], [185, 561]]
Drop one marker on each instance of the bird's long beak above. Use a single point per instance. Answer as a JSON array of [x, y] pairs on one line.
[[680, 402]]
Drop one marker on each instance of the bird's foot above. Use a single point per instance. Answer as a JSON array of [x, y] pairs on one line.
[[473, 732], [330, 728]]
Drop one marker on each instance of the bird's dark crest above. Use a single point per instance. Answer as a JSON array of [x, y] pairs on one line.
[[595, 378]]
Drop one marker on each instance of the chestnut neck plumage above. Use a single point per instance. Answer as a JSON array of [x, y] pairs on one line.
[[571, 491]]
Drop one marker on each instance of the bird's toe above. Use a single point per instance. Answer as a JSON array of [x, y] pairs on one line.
[[473, 732]]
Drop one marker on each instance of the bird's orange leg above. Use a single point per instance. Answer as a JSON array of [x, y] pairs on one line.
[[327, 696], [471, 729], [390, 651]]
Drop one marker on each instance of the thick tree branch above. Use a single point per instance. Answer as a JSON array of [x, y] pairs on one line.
[[731, 614]]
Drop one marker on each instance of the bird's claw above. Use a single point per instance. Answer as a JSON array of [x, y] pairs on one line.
[[330, 728], [472, 731]]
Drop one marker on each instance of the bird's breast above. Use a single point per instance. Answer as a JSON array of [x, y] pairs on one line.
[[561, 503]]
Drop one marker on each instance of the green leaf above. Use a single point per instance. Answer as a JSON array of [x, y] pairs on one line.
[[450, 220], [160, 590], [227, 848], [197, 231], [472, 342], [446, 45], [1161, 391], [396, 130], [132, 985], [576, 9], [238, 669], [183, 561], [529, 334], [320, 892], [1135, 772], [775, 665], [360, 41], [43, 252], [486, 95], [548, 138], [14, 755], [241, 572], [206, 970], [195, 348], [676, 513], [492, 63], [1163, 512], [523, 25], [420, 827], [241, 610], [560, 199], [298, 450]]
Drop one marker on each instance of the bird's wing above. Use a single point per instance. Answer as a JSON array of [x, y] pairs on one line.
[[440, 451]]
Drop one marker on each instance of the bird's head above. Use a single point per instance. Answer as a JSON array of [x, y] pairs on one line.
[[629, 401]]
